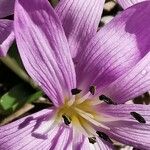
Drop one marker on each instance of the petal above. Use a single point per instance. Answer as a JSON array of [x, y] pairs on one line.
[[6, 7], [122, 111], [116, 48], [80, 142], [6, 36], [43, 48], [80, 20], [131, 133], [127, 3], [16, 135], [132, 84]]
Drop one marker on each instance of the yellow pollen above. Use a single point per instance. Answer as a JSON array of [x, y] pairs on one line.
[[82, 115]]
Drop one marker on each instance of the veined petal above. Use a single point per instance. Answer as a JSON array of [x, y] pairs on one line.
[[116, 48], [131, 133], [80, 20], [6, 7], [6, 35], [132, 84], [127, 3], [122, 111], [43, 48], [18, 135]]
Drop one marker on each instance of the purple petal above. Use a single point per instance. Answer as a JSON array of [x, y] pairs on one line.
[[6, 36], [116, 48], [18, 135], [124, 128], [122, 111], [131, 133], [128, 3], [132, 84], [6, 7], [43, 48], [80, 20]]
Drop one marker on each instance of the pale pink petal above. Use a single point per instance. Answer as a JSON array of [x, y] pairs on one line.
[[128, 3], [80, 20], [43, 48], [6, 7], [6, 35], [116, 48]]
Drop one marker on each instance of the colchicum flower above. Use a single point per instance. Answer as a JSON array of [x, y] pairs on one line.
[[89, 91]]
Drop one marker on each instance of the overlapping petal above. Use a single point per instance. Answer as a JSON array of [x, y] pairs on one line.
[[124, 127], [6, 7], [21, 132], [132, 84], [116, 48], [131, 133], [80, 20], [6, 35], [128, 3], [43, 48]]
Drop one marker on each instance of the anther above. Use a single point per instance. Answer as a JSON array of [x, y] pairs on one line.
[[92, 89], [75, 91], [104, 136], [67, 120], [107, 100], [138, 117], [92, 140]]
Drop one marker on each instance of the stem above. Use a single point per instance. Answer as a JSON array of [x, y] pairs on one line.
[[12, 64]]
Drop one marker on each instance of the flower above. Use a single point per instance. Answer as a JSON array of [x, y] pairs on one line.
[[6, 26], [110, 67]]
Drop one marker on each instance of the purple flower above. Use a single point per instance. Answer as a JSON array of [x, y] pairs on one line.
[[6, 26], [111, 67]]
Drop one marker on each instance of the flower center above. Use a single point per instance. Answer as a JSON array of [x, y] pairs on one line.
[[80, 113]]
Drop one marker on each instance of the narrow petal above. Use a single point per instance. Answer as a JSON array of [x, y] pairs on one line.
[[127, 3], [6, 36], [80, 20], [116, 48], [43, 48], [132, 84], [6, 7]]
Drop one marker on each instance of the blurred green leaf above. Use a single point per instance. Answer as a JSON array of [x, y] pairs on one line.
[[17, 97]]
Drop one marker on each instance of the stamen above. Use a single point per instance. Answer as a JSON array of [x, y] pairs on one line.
[[81, 100], [67, 120], [92, 140], [92, 89], [138, 117], [107, 100], [104, 136], [75, 91]]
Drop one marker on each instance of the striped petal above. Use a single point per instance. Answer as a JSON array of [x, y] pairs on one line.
[[127, 3], [6, 8], [6, 36], [80, 20], [43, 48], [116, 48]]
